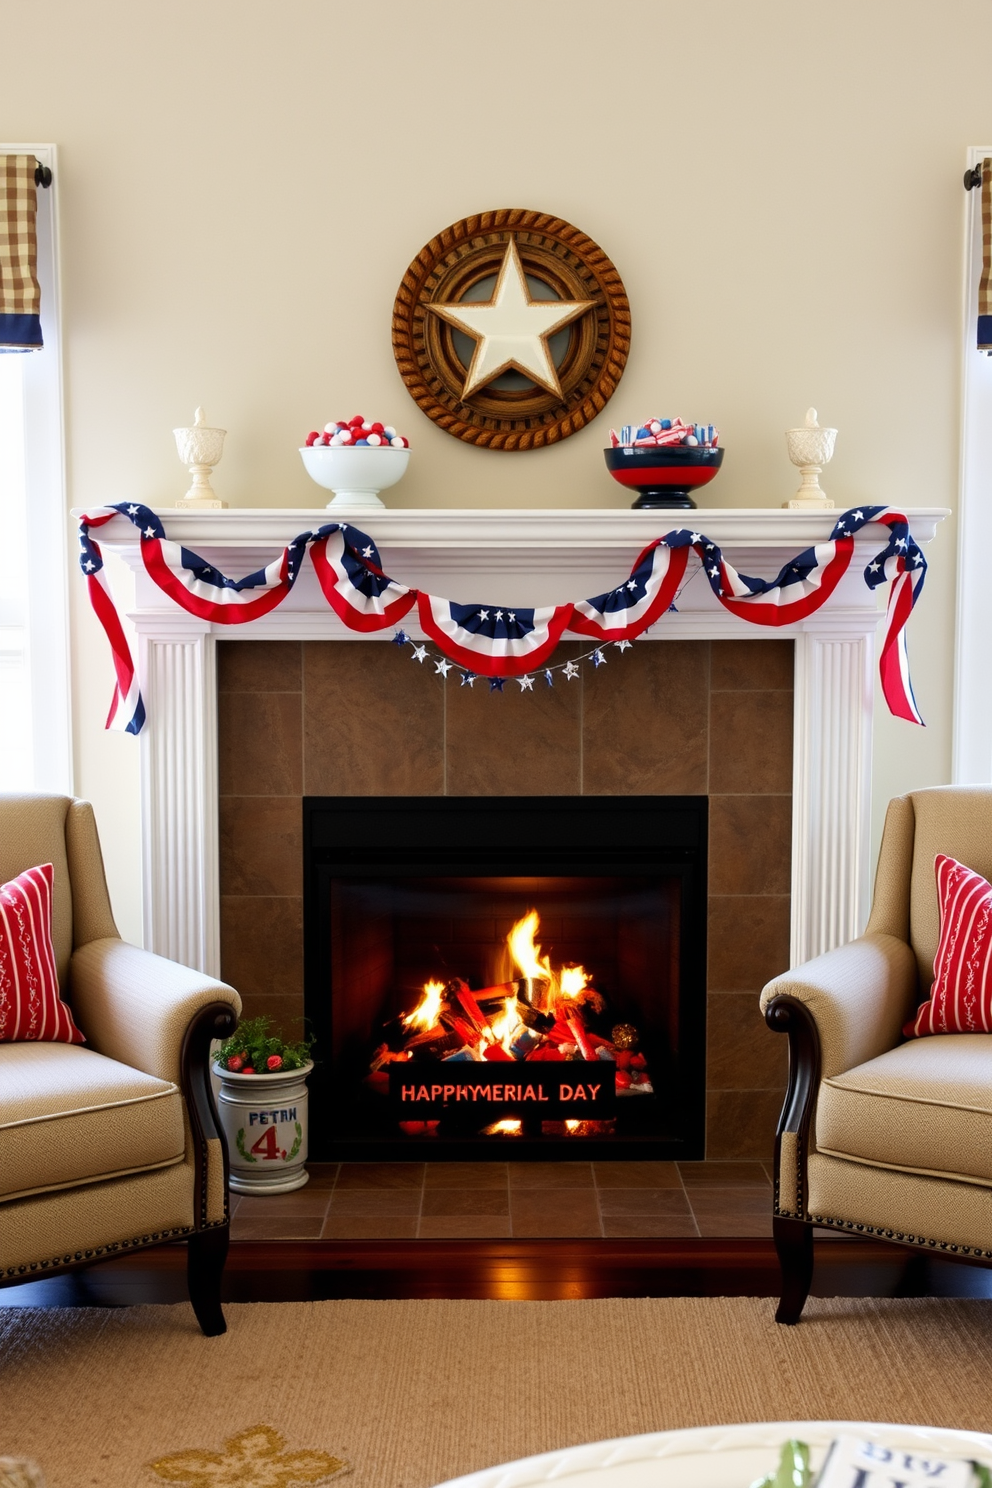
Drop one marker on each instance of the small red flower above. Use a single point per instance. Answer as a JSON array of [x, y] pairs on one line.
[[247, 1070], [235, 1062], [274, 1062]]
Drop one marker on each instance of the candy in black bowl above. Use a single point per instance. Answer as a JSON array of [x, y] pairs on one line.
[[664, 475]]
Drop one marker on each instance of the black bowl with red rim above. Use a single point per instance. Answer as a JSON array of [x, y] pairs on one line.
[[664, 477]]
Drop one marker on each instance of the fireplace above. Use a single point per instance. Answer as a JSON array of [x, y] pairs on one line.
[[525, 973]]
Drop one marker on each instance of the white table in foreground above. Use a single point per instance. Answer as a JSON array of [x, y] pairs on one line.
[[710, 1456]]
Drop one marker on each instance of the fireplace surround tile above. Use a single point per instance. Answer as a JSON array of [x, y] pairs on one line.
[[263, 953], [645, 723], [740, 1047], [544, 1175], [260, 666], [750, 844], [747, 940], [531, 737], [554, 1211], [377, 1176], [737, 666], [760, 723], [666, 1201], [373, 722], [261, 846], [446, 1175], [261, 737], [740, 1123], [464, 1201], [628, 1175]]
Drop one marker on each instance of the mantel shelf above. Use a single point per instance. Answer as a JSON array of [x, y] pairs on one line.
[[511, 527]]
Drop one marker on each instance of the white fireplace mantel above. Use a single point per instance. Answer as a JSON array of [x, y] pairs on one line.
[[521, 557]]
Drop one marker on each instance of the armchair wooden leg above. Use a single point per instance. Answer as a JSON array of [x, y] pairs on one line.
[[794, 1243], [205, 1257]]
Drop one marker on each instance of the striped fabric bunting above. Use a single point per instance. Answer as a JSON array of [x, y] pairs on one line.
[[623, 613], [499, 641], [20, 293], [350, 574], [493, 641]]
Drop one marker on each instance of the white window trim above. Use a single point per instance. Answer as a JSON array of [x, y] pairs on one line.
[[972, 747], [45, 485]]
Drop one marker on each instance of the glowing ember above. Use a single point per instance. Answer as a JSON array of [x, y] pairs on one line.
[[506, 1128]]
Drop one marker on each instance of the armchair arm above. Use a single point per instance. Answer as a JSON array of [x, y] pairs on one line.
[[136, 1007], [839, 1010], [858, 997]]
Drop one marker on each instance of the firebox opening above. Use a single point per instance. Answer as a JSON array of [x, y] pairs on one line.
[[493, 978]]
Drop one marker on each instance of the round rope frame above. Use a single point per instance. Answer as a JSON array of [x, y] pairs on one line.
[[559, 255]]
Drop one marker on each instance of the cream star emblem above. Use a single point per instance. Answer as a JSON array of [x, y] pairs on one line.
[[512, 330]]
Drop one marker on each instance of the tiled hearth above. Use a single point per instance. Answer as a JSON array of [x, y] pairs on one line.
[[691, 717], [525, 1200]]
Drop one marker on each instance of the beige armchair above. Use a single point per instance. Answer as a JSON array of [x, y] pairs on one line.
[[879, 1135], [109, 1146]]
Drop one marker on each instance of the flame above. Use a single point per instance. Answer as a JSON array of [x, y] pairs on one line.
[[428, 1009], [525, 953], [572, 980], [569, 983], [573, 1125], [506, 1027]]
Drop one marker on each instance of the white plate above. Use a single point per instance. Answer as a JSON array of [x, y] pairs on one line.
[[709, 1456]]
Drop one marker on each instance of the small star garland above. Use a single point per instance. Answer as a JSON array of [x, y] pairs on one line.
[[569, 669]]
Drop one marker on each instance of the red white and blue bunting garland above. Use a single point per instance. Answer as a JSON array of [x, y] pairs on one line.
[[500, 642]]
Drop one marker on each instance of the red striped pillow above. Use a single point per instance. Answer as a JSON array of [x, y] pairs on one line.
[[961, 995], [30, 1005]]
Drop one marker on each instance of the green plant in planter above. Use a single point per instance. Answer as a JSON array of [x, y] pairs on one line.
[[253, 1050]]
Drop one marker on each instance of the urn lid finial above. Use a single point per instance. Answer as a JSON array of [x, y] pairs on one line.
[[200, 418], [811, 422]]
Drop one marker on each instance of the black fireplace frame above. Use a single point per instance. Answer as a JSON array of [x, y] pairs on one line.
[[432, 835]]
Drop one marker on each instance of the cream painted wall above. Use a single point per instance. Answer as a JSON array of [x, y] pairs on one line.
[[243, 184]]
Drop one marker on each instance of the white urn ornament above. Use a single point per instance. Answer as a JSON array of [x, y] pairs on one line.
[[200, 448], [810, 447]]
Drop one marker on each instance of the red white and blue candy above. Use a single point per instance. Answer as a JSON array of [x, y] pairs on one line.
[[360, 432], [659, 433]]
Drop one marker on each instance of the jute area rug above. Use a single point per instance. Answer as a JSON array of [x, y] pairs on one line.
[[407, 1394]]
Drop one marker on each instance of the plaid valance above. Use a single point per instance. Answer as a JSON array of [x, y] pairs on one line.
[[985, 286], [20, 295]]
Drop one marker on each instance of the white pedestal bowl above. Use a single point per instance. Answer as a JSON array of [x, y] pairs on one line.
[[355, 473]]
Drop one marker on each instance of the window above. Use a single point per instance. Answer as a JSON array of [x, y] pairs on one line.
[[35, 739]]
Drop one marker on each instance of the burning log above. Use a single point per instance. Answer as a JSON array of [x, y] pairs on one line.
[[580, 1037], [540, 1022]]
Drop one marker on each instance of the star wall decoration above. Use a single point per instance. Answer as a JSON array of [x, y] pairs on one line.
[[512, 330], [515, 372]]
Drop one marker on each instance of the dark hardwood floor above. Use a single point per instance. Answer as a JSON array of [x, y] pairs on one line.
[[314, 1270]]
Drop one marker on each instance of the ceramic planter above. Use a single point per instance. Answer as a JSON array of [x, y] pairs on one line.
[[265, 1122]]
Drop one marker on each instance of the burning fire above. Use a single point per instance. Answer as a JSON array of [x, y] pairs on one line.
[[536, 1012], [428, 1010]]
